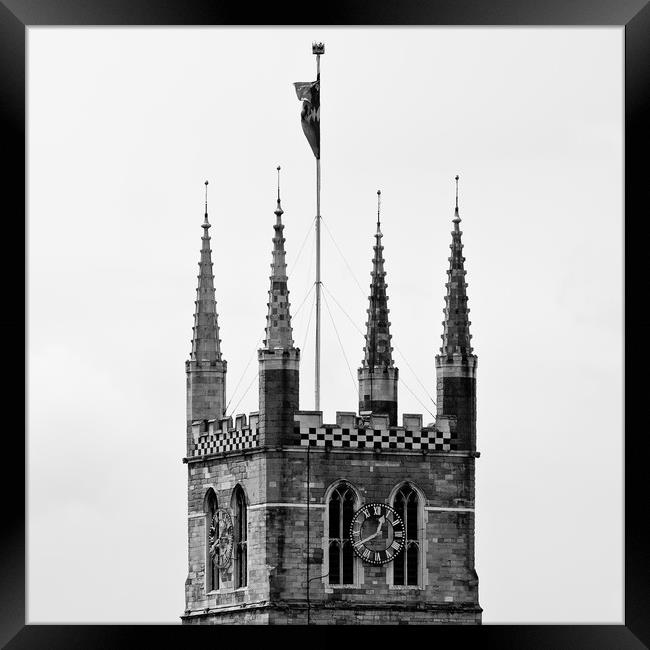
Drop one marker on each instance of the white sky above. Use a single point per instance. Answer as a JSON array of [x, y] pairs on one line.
[[124, 126]]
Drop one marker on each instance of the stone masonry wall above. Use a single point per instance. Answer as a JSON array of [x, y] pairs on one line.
[[378, 391], [279, 384], [206, 392], [287, 543], [275, 482], [333, 615], [457, 395], [222, 475], [447, 482]]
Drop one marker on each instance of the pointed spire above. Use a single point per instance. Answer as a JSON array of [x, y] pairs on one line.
[[205, 341], [278, 321], [378, 351], [456, 336]]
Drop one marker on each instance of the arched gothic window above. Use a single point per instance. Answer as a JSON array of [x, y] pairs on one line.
[[341, 509], [241, 538], [406, 566], [211, 571]]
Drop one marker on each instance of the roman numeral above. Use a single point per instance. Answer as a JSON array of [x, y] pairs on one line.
[[395, 545], [399, 533], [366, 554], [377, 557], [377, 509]]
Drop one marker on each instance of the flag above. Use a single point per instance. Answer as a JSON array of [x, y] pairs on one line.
[[309, 93]]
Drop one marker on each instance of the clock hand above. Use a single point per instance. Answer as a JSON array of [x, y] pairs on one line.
[[381, 523], [382, 519], [367, 539]]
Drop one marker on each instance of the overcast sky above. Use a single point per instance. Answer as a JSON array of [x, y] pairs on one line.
[[124, 127]]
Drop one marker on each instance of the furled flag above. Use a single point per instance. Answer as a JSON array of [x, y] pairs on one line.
[[309, 93]]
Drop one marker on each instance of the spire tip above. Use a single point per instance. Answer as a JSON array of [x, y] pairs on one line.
[[278, 210], [456, 215], [378, 209], [206, 223]]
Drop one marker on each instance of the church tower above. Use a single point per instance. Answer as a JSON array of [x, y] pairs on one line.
[[378, 376], [364, 520]]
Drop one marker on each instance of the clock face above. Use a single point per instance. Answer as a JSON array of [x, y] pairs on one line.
[[221, 538], [377, 533]]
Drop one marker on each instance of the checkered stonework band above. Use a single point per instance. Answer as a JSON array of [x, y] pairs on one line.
[[336, 437], [215, 443], [429, 439]]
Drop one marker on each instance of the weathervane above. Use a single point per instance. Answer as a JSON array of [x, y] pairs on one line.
[[206, 223], [456, 218], [278, 211], [378, 208]]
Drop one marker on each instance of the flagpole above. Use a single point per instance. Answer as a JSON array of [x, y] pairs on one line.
[[317, 365], [318, 49]]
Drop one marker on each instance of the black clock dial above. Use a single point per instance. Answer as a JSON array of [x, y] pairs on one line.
[[377, 533]]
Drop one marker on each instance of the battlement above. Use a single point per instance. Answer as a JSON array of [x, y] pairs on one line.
[[369, 431], [364, 431], [219, 435]]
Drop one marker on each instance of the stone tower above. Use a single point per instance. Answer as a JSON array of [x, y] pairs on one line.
[[363, 520]]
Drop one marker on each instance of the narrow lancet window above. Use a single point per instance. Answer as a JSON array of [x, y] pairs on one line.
[[211, 530], [406, 568], [341, 509], [241, 536]]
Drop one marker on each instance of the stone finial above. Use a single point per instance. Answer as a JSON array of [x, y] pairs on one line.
[[378, 210], [206, 223], [278, 210], [456, 218]]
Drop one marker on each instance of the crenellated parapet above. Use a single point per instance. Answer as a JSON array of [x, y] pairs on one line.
[[219, 435], [350, 431], [374, 432]]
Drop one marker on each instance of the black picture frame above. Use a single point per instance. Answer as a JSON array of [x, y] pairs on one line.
[[16, 15]]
